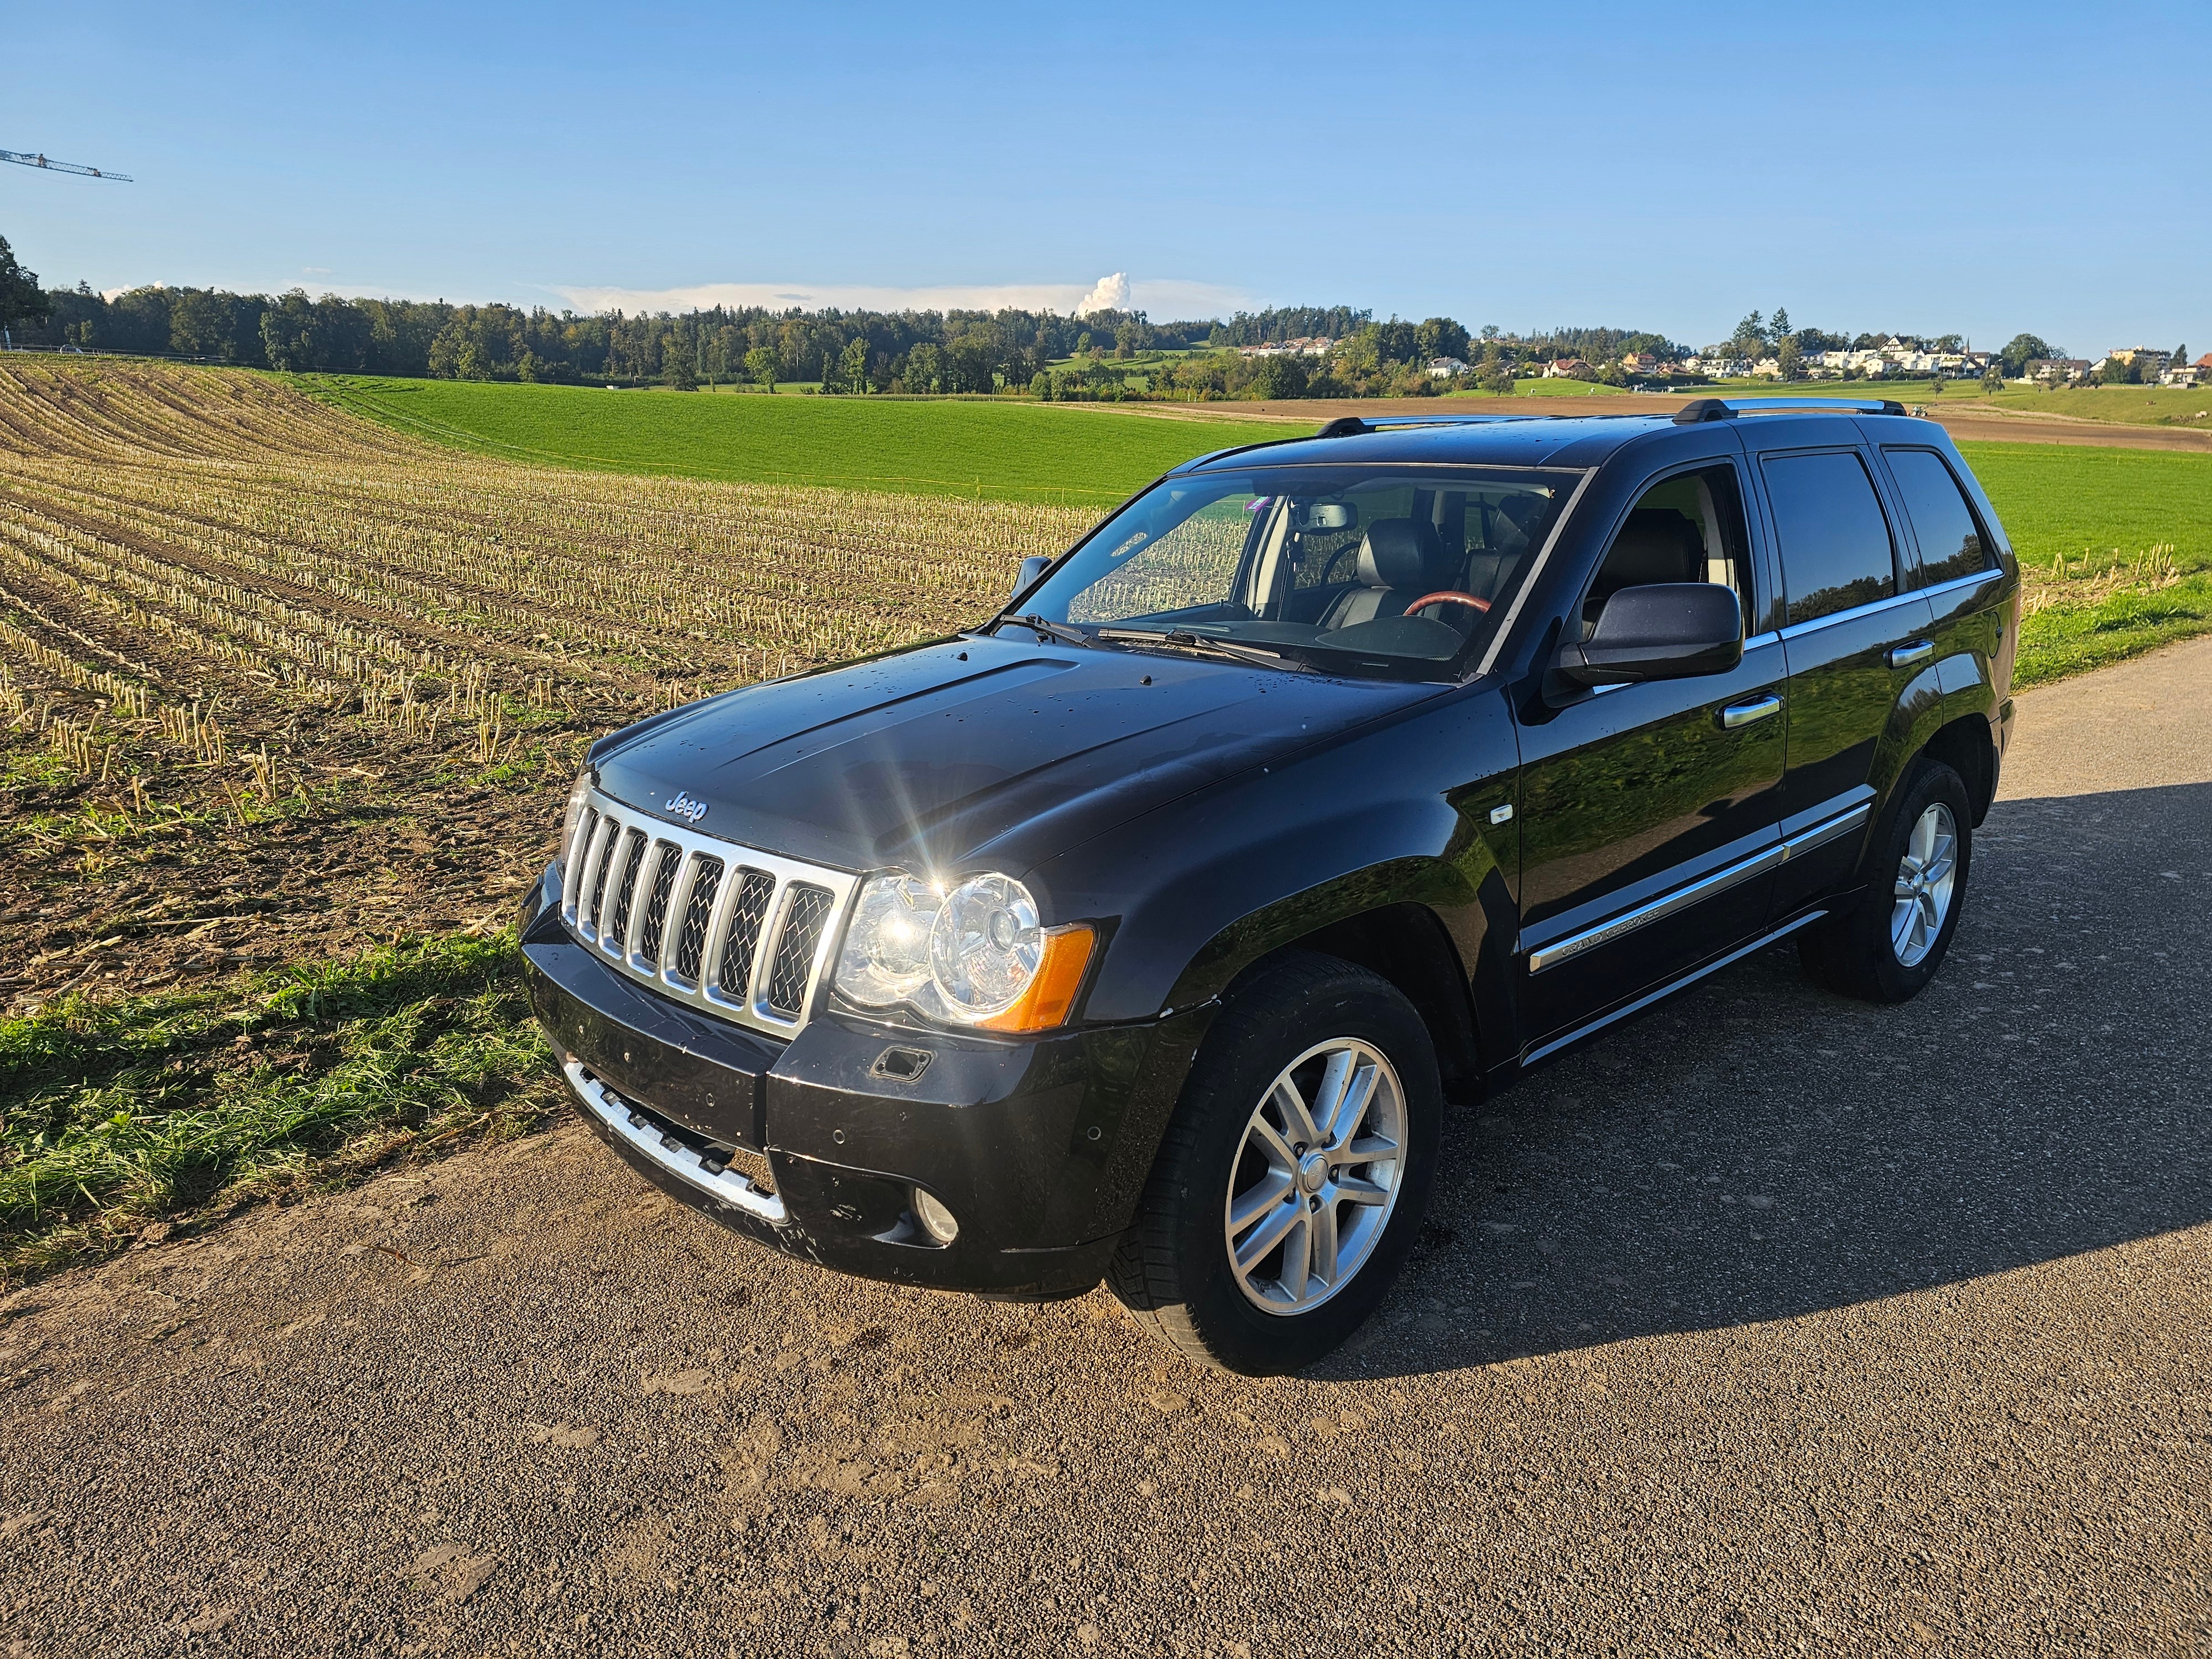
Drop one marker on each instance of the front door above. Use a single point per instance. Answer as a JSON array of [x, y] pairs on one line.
[[1648, 812]]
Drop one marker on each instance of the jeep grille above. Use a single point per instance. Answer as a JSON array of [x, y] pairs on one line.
[[742, 933]]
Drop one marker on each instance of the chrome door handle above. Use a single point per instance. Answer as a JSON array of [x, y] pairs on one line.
[[1905, 656], [1743, 713]]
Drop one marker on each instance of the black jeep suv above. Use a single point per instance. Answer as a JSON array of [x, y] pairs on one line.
[[1142, 931]]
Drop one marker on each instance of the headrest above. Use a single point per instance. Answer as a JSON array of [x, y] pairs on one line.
[[1657, 545], [1401, 553], [1521, 512]]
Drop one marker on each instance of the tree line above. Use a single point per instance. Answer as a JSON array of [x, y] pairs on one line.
[[1103, 356]]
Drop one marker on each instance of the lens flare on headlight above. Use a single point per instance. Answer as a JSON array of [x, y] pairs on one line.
[[886, 955], [986, 946]]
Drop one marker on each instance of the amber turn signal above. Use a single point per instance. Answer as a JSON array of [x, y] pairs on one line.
[[1050, 997]]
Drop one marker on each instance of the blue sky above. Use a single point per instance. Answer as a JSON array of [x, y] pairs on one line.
[[1929, 168]]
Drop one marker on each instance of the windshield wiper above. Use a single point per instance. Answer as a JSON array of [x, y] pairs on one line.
[[1050, 629], [1182, 639]]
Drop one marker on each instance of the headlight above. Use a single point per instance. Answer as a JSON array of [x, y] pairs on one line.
[[575, 810], [975, 955], [886, 955]]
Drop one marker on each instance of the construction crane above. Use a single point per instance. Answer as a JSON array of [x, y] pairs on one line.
[[24, 159]]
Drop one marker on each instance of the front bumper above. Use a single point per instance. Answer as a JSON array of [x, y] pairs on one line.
[[1040, 1148]]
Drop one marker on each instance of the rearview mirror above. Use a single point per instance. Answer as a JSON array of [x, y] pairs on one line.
[[1033, 566], [1662, 631], [1330, 515]]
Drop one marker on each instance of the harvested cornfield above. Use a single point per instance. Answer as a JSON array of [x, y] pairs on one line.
[[275, 681]]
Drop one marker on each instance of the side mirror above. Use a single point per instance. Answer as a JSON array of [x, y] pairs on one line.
[[1033, 566], [1664, 631]]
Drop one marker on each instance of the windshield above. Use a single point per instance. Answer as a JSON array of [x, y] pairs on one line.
[[1352, 569]]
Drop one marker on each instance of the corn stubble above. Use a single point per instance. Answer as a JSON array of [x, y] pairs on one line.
[[228, 610], [287, 704]]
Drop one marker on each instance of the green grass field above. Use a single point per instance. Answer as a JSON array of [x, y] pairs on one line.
[[2115, 545], [1007, 451], [2089, 523], [2126, 405]]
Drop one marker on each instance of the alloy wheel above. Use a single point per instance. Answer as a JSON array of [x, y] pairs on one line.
[[1316, 1177], [1925, 876]]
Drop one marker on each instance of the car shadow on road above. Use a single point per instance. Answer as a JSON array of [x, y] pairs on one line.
[[1756, 1148]]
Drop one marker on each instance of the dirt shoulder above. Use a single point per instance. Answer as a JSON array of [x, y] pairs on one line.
[[1811, 1324]]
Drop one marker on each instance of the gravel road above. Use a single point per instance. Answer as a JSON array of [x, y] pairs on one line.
[[1774, 1322]]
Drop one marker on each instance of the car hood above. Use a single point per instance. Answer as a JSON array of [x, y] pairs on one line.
[[975, 750]]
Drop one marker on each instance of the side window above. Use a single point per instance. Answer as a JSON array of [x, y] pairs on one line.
[[1836, 548], [1688, 528], [1950, 537]]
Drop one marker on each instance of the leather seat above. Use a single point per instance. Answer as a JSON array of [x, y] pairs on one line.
[[1657, 545], [1489, 568], [1401, 560]]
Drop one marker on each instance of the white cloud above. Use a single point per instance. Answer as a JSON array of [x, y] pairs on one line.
[[1106, 294], [1165, 299]]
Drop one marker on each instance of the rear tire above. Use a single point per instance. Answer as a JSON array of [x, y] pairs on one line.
[[1272, 1227], [1890, 942]]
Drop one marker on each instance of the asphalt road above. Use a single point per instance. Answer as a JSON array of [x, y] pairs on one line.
[[1774, 1322]]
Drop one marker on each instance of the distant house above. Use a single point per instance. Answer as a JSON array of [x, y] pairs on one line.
[[2187, 375], [2148, 361], [1569, 368], [1443, 369], [1715, 364], [2051, 370], [1639, 363]]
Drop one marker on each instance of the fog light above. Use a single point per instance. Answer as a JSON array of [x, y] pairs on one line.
[[936, 1220]]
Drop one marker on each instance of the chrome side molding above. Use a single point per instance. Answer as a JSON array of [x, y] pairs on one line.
[[1670, 989], [1667, 904]]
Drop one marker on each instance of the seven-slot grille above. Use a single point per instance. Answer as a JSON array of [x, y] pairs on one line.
[[743, 933]]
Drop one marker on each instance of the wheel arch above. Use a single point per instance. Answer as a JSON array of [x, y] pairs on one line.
[[1965, 746], [1408, 944]]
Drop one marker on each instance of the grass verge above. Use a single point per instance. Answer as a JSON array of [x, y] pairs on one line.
[[148, 1112], [2087, 611]]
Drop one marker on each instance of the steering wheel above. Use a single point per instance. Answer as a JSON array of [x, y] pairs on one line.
[[1447, 596]]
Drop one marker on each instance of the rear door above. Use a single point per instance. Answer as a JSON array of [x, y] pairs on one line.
[[1858, 649], [1964, 585]]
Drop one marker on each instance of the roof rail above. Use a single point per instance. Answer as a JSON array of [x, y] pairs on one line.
[[1351, 426], [1726, 408]]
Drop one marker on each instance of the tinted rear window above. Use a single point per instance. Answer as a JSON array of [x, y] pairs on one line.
[[1950, 539], [1836, 550]]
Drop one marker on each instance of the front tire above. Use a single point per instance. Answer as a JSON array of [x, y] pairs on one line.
[[1889, 944], [1293, 1177]]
